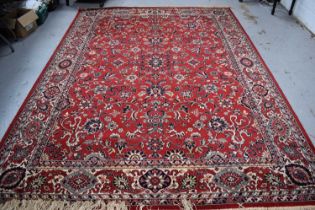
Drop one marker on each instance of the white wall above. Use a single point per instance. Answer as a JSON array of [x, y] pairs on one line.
[[304, 10]]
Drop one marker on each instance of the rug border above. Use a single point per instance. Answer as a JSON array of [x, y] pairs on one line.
[[15, 118], [219, 206], [275, 82]]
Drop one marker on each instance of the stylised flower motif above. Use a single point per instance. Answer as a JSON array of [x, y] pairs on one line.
[[155, 180], [94, 158], [155, 62], [51, 92], [112, 125], [38, 182], [65, 63], [155, 40], [256, 149], [226, 103], [85, 104], [292, 151], [121, 182], [33, 128], [211, 88], [186, 94], [124, 94], [175, 156], [20, 153], [279, 127], [189, 182], [231, 179], [155, 117], [185, 13], [215, 157], [54, 152], [189, 143], [79, 181], [113, 42], [63, 104], [247, 62], [155, 104], [122, 13], [120, 144], [100, 89], [260, 90], [197, 41], [272, 179], [131, 77], [135, 155], [199, 125], [155, 144], [191, 25], [93, 125], [160, 13], [84, 75], [179, 77], [42, 105], [155, 90], [193, 62], [217, 124], [176, 49]]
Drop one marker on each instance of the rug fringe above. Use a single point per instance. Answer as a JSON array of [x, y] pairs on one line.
[[187, 205], [112, 205], [61, 205]]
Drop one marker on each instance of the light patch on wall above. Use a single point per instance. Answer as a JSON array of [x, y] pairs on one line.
[[304, 10]]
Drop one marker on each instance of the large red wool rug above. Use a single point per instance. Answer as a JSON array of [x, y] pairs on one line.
[[164, 107]]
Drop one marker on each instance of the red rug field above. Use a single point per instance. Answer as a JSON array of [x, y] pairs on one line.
[[156, 107]]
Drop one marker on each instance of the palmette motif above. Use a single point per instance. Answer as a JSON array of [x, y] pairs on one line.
[[155, 105]]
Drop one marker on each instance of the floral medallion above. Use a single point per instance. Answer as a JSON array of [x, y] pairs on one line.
[[155, 180]]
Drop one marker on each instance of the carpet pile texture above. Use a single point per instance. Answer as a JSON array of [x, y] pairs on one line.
[[156, 108]]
